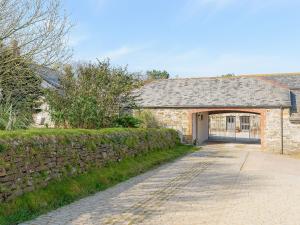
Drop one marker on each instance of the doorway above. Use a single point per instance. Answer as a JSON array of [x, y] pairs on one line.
[[234, 127]]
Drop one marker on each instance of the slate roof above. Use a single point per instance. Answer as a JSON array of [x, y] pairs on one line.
[[291, 81], [214, 92], [49, 76]]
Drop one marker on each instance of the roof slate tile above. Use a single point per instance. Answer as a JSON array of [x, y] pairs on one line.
[[214, 92]]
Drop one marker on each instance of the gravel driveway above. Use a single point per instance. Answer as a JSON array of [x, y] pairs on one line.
[[224, 184]]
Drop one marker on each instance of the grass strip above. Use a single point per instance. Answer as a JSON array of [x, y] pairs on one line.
[[69, 189]]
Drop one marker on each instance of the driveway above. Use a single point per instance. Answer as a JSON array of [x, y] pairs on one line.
[[224, 184]]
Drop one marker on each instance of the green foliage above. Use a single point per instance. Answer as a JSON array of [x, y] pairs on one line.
[[65, 137], [127, 121], [148, 119], [2, 148], [10, 120], [157, 74], [92, 96], [20, 89], [69, 189], [228, 75], [63, 133]]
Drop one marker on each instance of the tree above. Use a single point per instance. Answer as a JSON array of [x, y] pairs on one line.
[[33, 33], [92, 96], [157, 74], [38, 27], [20, 90]]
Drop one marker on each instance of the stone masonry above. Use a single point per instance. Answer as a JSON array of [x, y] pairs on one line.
[[181, 120], [30, 163]]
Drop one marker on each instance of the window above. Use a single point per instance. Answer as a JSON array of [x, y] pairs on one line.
[[200, 116], [42, 121], [245, 123], [230, 122]]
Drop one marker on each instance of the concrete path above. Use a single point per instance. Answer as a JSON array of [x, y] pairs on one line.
[[223, 184]]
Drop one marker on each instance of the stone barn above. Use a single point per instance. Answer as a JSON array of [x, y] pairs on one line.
[[260, 109]]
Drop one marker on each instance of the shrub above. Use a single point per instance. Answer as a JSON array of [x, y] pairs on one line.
[[20, 90], [148, 119], [10, 119], [92, 96], [157, 74], [127, 121]]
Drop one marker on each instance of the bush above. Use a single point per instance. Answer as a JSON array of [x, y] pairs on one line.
[[92, 96], [157, 74], [20, 90], [127, 121], [11, 120], [148, 119]]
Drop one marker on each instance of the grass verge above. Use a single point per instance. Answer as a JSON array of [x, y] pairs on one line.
[[59, 193]]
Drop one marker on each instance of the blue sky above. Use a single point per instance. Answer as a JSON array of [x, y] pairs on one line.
[[189, 38]]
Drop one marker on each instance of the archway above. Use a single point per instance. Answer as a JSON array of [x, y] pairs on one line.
[[228, 125], [234, 127]]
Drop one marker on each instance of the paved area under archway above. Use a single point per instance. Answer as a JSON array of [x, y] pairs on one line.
[[224, 184]]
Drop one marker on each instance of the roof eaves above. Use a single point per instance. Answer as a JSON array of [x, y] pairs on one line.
[[217, 106]]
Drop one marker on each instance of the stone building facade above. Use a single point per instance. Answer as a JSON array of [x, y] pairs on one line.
[[179, 103], [50, 79], [42, 119]]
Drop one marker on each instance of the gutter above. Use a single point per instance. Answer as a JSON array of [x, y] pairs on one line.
[[214, 106]]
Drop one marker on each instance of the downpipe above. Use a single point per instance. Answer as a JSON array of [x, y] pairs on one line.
[[281, 126]]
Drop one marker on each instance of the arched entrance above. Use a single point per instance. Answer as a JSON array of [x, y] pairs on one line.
[[234, 127], [228, 125]]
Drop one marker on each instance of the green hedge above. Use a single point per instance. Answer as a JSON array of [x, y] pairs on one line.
[[31, 159]]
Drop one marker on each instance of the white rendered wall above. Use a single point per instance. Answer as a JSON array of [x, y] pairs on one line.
[[202, 127]]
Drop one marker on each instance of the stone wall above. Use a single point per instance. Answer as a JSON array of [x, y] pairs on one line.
[[177, 119], [182, 119], [270, 123], [272, 140], [42, 119], [291, 132], [31, 161]]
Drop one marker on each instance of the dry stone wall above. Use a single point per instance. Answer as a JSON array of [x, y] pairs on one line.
[[29, 163]]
